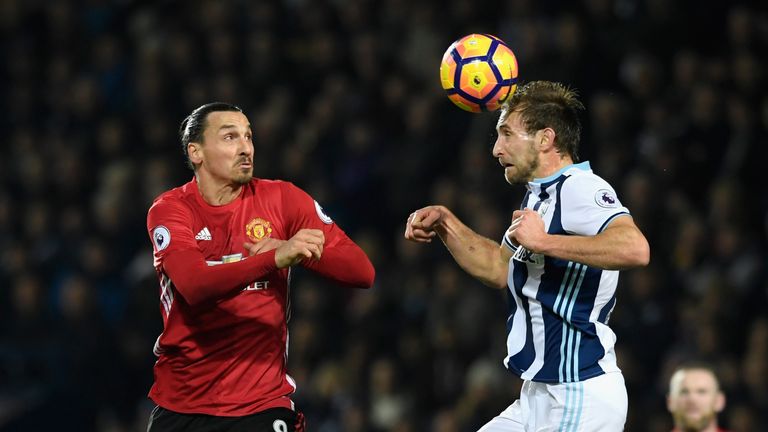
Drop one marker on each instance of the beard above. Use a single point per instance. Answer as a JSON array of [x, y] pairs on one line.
[[242, 177], [525, 168], [688, 424]]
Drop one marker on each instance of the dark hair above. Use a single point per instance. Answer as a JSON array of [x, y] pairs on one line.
[[546, 104], [192, 127]]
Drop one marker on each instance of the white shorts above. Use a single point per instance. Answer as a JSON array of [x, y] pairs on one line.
[[598, 404]]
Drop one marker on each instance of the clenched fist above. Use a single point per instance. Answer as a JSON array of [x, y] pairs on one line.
[[527, 230], [421, 224]]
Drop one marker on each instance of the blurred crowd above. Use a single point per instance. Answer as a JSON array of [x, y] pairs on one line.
[[345, 101]]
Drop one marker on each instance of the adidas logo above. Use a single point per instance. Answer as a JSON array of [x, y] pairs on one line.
[[204, 234]]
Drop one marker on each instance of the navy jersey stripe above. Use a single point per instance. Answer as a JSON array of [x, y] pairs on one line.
[[606, 310], [559, 297]]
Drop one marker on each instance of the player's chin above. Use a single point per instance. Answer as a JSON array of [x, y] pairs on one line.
[[243, 176], [509, 177]]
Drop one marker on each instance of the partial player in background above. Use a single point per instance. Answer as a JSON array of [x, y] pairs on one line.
[[695, 399], [224, 244], [559, 262]]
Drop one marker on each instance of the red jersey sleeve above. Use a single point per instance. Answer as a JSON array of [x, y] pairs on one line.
[[177, 255], [342, 261]]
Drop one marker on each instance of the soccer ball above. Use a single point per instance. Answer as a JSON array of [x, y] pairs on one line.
[[479, 72]]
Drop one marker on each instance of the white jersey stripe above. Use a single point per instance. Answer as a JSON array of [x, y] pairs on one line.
[[165, 284], [576, 357], [516, 337], [537, 321], [562, 352]]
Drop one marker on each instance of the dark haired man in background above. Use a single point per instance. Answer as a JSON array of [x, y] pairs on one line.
[[224, 244]]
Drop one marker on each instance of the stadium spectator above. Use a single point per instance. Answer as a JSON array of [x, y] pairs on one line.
[[695, 399]]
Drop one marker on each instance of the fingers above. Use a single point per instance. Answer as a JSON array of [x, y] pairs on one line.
[[310, 242], [265, 245], [305, 244], [420, 225], [314, 236], [425, 219]]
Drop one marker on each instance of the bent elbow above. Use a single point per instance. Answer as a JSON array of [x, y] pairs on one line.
[[496, 280], [363, 278], [646, 253], [642, 254], [368, 277], [500, 285], [645, 258]]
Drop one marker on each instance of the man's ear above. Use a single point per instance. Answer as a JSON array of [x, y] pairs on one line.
[[195, 152], [719, 402], [546, 139]]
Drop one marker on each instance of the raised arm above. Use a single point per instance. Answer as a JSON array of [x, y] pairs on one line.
[[481, 257], [620, 245], [342, 260], [177, 255]]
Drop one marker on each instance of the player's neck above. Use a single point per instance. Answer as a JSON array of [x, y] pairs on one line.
[[217, 193], [550, 163]]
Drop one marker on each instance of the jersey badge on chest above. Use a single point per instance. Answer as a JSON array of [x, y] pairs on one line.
[[258, 229]]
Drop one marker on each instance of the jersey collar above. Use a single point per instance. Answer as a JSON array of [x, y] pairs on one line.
[[584, 166]]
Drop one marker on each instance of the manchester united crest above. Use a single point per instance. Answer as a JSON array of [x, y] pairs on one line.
[[258, 229]]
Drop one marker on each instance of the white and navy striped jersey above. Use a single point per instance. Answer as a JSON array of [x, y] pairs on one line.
[[557, 330]]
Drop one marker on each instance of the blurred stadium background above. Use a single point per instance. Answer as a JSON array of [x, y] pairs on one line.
[[345, 101]]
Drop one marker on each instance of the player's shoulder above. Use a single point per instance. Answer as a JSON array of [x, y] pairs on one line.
[[583, 185], [274, 186], [269, 184], [580, 177], [180, 197]]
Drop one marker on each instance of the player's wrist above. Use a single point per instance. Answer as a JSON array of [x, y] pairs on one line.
[[544, 245]]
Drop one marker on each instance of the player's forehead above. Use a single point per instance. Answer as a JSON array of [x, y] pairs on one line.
[[696, 378], [226, 119], [512, 121]]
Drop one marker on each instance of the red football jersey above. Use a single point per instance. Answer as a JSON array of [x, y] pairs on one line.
[[223, 347]]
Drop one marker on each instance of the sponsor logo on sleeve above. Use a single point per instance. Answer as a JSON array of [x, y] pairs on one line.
[[321, 214], [161, 237], [606, 198]]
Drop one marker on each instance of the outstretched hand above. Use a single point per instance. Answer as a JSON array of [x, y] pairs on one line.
[[421, 224]]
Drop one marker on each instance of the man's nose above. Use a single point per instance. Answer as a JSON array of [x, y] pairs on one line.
[[246, 147], [496, 150]]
